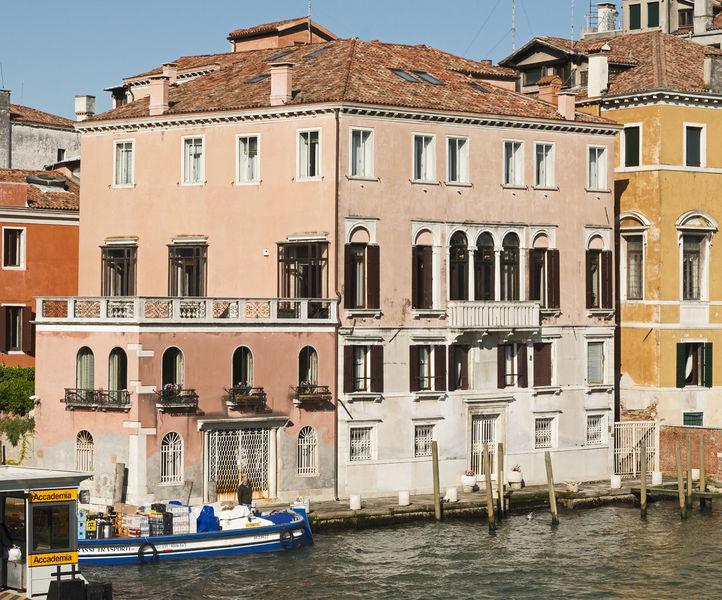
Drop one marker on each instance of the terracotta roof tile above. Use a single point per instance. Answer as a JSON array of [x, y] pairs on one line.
[[31, 116], [67, 198], [256, 29]]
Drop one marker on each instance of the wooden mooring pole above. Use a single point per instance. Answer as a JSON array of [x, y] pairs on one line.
[[489, 495], [552, 495], [689, 471], [501, 508], [435, 468], [702, 474], [643, 480], [680, 482]]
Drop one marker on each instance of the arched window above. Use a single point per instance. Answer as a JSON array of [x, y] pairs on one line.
[[171, 458], [422, 271], [84, 451], [117, 376], [85, 375], [484, 268], [510, 267], [307, 451], [308, 366], [458, 267], [242, 367], [695, 230], [173, 366], [599, 274]]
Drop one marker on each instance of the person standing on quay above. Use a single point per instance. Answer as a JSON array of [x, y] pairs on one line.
[[245, 491]]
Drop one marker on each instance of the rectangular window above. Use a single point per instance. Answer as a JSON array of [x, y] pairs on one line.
[[597, 179], [61, 155], [360, 447], [14, 329], [691, 265], [513, 163], [694, 364], [302, 270], [458, 160], [652, 14], [600, 271], [357, 279], [426, 379], [685, 18], [538, 275], [422, 277], [542, 364], [595, 363], [124, 163], [693, 419], [53, 526], [362, 158], [693, 146], [363, 369], [424, 158], [531, 76], [13, 248], [595, 430], [635, 273], [309, 154], [423, 436], [361, 377], [635, 16], [544, 165], [187, 270], [458, 367], [631, 146], [543, 434], [248, 167], [511, 365], [193, 161], [118, 266]]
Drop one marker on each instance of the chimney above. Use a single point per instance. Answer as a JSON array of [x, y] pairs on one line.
[[606, 16], [84, 107], [567, 105], [598, 74], [4, 129], [170, 70], [281, 83], [713, 72], [158, 95], [549, 87], [703, 16]]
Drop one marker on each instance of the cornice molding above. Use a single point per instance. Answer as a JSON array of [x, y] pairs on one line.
[[656, 97]]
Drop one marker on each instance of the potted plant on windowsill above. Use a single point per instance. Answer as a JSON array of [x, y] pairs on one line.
[[172, 392], [468, 480], [515, 477]]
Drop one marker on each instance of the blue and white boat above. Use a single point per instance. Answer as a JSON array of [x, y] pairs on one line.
[[259, 532]]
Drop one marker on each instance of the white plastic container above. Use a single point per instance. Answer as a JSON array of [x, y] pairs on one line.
[[695, 474], [404, 499], [615, 482], [656, 477], [452, 494], [354, 501]]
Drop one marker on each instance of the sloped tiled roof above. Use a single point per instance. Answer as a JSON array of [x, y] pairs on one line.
[[67, 198], [355, 71], [265, 27], [31, 116]]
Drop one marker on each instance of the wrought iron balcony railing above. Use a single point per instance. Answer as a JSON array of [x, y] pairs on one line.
[[311, 394], [97, 399], [244, 396], [176, 398]]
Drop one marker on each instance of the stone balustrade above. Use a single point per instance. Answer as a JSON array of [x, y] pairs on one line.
[[493, 315]]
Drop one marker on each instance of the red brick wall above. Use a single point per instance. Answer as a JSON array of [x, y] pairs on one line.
[[712, 445]]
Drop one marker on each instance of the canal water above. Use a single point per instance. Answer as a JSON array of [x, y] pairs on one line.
[[606, 552]]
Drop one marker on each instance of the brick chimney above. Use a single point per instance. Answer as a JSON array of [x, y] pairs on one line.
[[549, 87], [158, 95], [713, 72], [598, 74], [84, 107], [4, 129], [567, 105], [281, 83], [170, 70]]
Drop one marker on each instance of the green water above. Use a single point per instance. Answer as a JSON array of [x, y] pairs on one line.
[[600, 553]]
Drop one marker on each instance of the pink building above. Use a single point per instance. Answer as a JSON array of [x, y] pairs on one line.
[[273, 232]]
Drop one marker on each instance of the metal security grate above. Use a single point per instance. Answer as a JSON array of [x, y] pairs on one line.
[[595, 433], [423, 436], [84, 451], [234, 452], [307, 452], [543, 432], [171, 458], [483, 429], [628, 436], [360, 443]]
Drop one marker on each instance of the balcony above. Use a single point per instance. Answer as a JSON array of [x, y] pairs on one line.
[[135, 310], [175, 398], [243, 397], [311, 394], [493, 315], [97, 399]]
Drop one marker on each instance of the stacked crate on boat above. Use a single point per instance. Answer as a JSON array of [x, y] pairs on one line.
[[91, 529], [82, 523], [181, 519], [155, 521], [137, 525]]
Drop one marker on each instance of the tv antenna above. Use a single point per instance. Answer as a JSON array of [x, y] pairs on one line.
[[513, 25], [309, 21]]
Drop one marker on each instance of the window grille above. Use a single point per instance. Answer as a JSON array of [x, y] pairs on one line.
[[171, 458], [360, 443], [594, 430], [84, 451], [307, 451], [483, 429], [543, 432], [423, 436]]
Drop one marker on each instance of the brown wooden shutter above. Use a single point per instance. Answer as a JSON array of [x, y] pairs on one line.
[[464, 367], [372, 277], [500, 367], [552, 258], [439, 368], [542, 364], [28, 330], [427, 260], [3, 329], [347, 368], [415, 300], [589, 261], [532, 275], [377, 368], [607, 278], [521, 366], [414, 368], [452, 368], [348, 277]]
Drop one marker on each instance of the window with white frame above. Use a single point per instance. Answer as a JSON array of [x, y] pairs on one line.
[[307, 451], [362, 157], [423, 437], [361, 370], [597, 168], [694, 146], [424, 158], [544, 165], [193, 167], [248, 157], [595, 430], [360, 443], [692, 246], [309, 154], [426, 377], [123, 163], [543, 432], [13, 328], [171, 458], [84, 451], [513, 163], [13, 247], [457, 160], [595, 363]]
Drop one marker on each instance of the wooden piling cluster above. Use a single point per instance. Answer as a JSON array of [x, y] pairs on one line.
[[685, 497]]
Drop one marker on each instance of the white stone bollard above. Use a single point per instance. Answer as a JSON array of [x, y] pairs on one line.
[[695, 474], [404, 499], [656, 477], [452, 494], [615, 482], [354, 501]]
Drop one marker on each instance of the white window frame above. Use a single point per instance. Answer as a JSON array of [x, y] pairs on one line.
[[172, 478], [257, 179], [184, 175], [366, 350], [22, 254], [416, 425], [602, 175], [552, 430], [623, 147], [372, 443], [518, 159], [704, 259], [368, 155], [702, 144], [603, 430], [299, 137], [550, 164], [602, 367], [462, 160], [310, 470], [116, 143], [428, 166]]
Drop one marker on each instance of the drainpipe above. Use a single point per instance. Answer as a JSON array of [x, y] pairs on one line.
[[338, 311]]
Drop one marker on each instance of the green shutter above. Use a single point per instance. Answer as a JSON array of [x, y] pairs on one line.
[[707, 360], [631, 147], [681, 358], [653, 14], [635, 16]]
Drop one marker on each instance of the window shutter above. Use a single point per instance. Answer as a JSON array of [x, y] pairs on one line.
[[542, 364], [415, 300], [3, 329], [414, 368], [452, 368], [523, 377], [465, 367], [532, 275], [681, 359], [427, 260], [439, 368], [552, 258], [589, 279], [28, 330], [347, 368], [372, 277], [607, 279], [377, 368], [500, 367], [348, 277], [707, 359]]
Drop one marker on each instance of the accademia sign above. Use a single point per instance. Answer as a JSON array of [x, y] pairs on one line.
[[53, 495]]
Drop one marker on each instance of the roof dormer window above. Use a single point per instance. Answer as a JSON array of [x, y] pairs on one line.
[[405, 75], [426, 77]]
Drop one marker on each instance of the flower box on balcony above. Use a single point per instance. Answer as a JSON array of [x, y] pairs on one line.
[[97, 399], [173, 396], [244, 396], [307, 393]]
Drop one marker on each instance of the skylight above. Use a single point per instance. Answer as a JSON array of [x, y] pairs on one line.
[[257, 78], [426, 77], [279, 55], [316, 52], [476, 86], [405, 75]]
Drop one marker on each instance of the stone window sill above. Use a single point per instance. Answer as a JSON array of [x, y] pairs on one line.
[[596, 388], [428, 313], [364, 313], [547, 389], [428, 395], [364, 396]]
